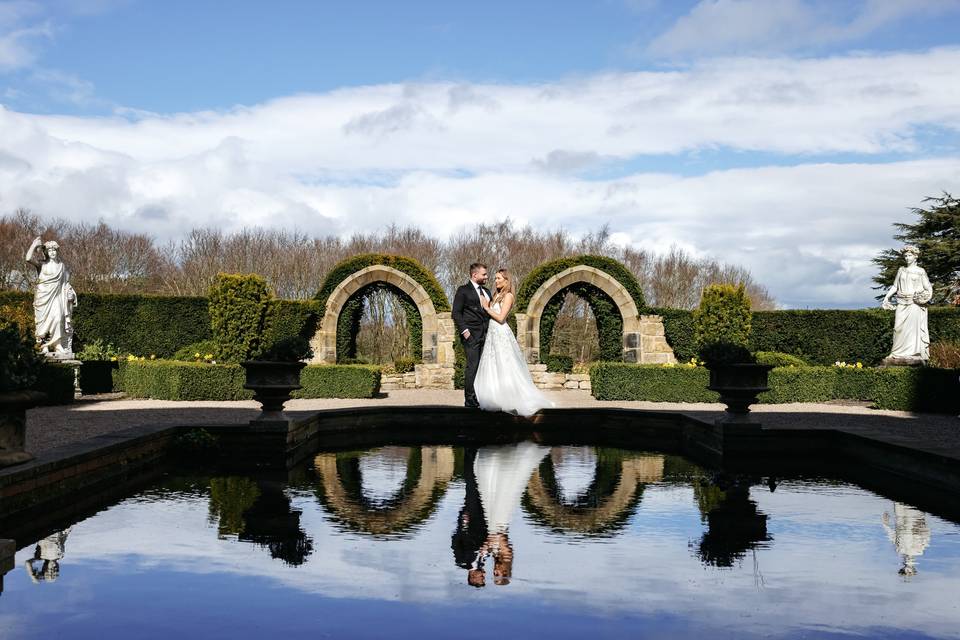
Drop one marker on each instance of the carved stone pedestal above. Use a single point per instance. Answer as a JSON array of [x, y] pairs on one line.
[[8, 549], [894, 361], [13, 425]]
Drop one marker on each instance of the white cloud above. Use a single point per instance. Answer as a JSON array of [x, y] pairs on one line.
[[739, 26], [17, 46], [443, 156]]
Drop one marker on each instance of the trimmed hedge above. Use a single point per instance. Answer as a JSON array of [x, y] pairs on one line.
[[239, 304], [898, 388], [819, 336], [339, 381], [558, 363], [55, 380], [723, 316], [652, 382], [175, 380], [409, 266], [160, 325], [778, 359]]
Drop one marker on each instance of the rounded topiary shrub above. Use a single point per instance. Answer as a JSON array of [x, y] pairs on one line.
[[723, 316], [238, 314]]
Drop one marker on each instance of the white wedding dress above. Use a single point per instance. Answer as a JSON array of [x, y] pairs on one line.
[[502, 473], [503, 381]]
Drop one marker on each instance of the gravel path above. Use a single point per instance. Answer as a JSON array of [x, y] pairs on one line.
[[49, 427]]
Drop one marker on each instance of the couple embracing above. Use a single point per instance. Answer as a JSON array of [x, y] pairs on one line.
[[496, 377]]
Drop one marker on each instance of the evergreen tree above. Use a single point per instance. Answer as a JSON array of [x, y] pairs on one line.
[[937, 236]]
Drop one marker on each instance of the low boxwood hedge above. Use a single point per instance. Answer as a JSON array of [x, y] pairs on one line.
[[175, 380], [339, 381], [652, 382], [897, 388]]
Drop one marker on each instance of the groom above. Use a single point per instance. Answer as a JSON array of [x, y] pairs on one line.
[[471, 322]]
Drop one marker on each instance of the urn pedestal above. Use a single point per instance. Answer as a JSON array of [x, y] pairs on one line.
[[96, 376], [13, 424], [272, 384], [738, 386]]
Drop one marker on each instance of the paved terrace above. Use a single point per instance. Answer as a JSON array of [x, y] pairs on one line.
[[49, 427]]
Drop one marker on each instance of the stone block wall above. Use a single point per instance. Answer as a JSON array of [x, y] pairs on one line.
[[654, 348], [425, 376], [553, 381], [433, 376]]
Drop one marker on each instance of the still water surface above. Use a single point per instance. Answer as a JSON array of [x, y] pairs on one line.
[[508, 541]]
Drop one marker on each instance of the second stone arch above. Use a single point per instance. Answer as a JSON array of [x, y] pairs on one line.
[[626, 332]]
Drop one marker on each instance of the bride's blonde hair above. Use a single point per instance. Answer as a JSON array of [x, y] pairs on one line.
[[507, 288]]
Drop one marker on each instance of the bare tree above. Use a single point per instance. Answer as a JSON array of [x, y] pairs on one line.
[[104, 259]]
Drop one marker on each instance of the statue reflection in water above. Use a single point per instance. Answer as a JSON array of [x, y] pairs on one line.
[[496, 477], [909, 533], [44, 566]]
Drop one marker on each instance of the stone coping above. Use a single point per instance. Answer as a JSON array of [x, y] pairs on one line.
[[102, 458]]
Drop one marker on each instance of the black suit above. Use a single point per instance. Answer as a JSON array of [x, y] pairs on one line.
[[468, 314]]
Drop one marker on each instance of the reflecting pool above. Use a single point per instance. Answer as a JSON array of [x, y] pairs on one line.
[[520, 540]]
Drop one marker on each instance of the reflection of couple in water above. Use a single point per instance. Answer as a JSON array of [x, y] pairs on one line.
[[496, 477]]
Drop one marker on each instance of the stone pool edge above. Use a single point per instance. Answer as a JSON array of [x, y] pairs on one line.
[[60, 475]]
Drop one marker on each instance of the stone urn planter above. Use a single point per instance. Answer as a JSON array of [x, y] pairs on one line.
[[272, 382], [96, 376], [13, 424], [738, 386]]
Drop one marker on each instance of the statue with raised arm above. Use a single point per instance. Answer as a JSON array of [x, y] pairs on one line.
[[53, 301], [911, 291]]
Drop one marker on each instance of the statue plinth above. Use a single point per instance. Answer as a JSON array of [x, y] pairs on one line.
[[903, 361]]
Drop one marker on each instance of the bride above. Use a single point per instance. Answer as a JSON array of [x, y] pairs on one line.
[[503, 381]]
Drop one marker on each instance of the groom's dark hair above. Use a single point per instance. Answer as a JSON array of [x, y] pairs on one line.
[[476, 266]]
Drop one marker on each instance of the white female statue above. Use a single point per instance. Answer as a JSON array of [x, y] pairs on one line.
[[54, 300], [912, 290]]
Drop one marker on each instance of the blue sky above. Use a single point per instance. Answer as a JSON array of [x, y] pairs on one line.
[[178, 55], [763, 132]]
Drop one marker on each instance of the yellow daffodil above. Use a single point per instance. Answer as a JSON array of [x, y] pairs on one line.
[[859, 365], [197, 355]]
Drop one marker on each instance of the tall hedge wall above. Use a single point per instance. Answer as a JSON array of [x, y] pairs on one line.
[[409, 266], [819, 336], [146, 324]]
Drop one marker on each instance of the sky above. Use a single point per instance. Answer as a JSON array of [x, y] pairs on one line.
[[784, 135]]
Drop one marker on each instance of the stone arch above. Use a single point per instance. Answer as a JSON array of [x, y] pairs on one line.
[[643, 335], [427, 478], [609, 505], [437, 334]]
